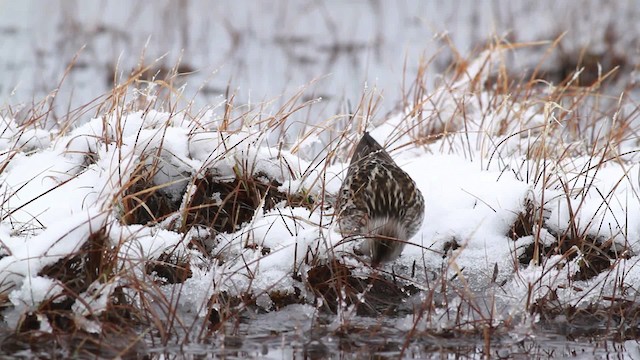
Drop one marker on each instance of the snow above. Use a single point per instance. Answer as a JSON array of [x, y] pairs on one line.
[[30, 254], [34, 290], [58, 189]]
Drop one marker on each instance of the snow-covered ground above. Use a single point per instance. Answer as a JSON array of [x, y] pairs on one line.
[[478, 181]]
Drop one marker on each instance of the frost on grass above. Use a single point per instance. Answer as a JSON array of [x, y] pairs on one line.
[[132, 208]]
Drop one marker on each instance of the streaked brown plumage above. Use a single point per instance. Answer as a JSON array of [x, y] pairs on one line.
[[378, 201]]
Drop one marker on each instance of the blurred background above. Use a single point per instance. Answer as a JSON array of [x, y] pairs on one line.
[[269, 50]]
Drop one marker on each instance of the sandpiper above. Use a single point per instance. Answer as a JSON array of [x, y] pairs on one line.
[[379, 202]]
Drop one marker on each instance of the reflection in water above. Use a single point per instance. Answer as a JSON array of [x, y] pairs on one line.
[[285, 335]]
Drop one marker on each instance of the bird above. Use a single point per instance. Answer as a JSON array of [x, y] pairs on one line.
[[378, 202]]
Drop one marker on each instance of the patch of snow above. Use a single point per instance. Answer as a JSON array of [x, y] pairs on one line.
[[33, 291], [29, 255]]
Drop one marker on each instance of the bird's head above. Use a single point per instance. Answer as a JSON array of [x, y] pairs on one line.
[[386, 238]]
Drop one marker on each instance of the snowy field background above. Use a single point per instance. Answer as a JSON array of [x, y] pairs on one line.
[[196, 209]]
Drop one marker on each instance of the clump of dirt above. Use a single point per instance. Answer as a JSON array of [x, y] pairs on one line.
[[597, 255], [145, 202], [281, 299], [525, 221], [225, 205], [336, 285], [333, 285], [217, 203], [94, 260], [170, 269]]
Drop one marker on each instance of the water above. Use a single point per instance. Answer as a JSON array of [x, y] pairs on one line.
[[264, 337], [302, 332]]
